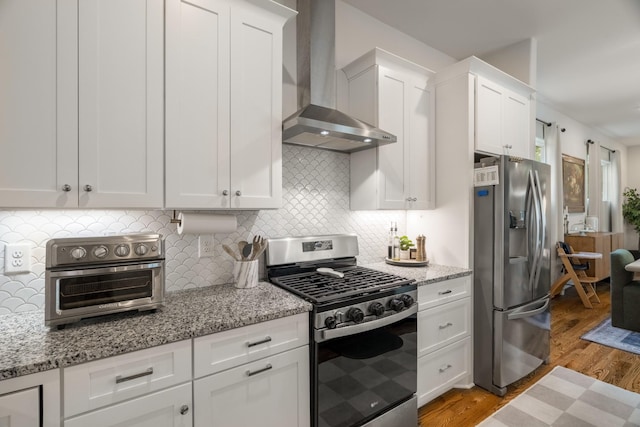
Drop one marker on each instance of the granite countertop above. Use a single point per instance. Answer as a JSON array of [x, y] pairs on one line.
[[429, 274], [27, 346]]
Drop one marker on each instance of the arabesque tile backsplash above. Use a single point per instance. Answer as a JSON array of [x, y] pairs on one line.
[[315, 201]]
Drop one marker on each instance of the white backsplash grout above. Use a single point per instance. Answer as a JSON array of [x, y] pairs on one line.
[[315, 201]]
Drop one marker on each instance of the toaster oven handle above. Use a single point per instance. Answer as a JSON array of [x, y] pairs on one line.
[[328, 334]]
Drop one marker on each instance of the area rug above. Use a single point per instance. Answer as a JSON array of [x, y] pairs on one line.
[[567, 398], [610, 336]]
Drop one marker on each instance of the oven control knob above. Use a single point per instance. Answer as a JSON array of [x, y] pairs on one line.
[[122, 250], [141, 249], [407, 300], [377, 309], [396, 304], [330, 322], [78, 253], [100, 251], [355, 314]]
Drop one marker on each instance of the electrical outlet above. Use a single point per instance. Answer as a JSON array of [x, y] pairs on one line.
[[17, 258], [205, 246]]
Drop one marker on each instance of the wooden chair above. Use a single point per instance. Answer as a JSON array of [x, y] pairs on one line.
[[575, 270]]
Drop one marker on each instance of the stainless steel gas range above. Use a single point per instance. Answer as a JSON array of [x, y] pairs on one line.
[[363, 331]]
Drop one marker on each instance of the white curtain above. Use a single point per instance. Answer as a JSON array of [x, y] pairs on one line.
[[556, 221], [617, 224]]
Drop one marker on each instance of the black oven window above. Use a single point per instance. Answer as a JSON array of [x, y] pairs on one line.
[[363, 375], [104, 288]]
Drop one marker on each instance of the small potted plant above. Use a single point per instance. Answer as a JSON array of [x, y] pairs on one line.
[[405, 245]]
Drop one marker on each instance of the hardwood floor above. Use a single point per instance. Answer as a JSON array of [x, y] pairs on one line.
[[569, 321]]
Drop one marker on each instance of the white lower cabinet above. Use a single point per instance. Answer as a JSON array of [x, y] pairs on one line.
[[273, 391], [20, 409], [166, 408], [444, 338], [31, 400]]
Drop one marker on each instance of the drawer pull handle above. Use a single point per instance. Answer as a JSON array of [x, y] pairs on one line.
[[265, 340], [448, 291], [445, 368], [259, 371], [184, 409], [445, 325], [121, 379]]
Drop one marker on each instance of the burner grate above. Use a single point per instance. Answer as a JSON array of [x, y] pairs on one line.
[[318, 288]]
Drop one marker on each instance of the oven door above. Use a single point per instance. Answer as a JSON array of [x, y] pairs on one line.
[[71, 295], [365, 370]]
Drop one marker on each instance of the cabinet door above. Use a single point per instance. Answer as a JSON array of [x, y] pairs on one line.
[[121, 96], [489, 117], [516, 127], [20, 409], [38, 104], [197, 104], [256, 109], [420, 157], [273, 391], [167, 408], [393, 104]]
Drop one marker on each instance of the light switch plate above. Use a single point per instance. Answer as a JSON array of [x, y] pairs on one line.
[[17, 258]]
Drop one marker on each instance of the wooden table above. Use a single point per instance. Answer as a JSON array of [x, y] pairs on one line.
[[558, 285], [599, 242]]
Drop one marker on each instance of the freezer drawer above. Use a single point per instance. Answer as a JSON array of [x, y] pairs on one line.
[[521, 341]]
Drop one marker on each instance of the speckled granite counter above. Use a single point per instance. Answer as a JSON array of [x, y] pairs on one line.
[[27, 346], [424, 275]]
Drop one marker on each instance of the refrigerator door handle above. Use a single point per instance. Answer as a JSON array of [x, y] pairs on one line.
[[541, 226], [529, 313], [532, 243]]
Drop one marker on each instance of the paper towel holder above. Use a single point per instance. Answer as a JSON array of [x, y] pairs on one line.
[[175, 219]]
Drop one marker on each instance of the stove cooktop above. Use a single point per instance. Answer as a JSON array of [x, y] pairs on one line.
[[320, 289]]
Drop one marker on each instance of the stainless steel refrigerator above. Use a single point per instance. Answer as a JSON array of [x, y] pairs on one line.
[[511, 270]]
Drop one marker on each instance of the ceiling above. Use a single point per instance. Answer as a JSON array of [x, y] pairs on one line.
[[588, 50]]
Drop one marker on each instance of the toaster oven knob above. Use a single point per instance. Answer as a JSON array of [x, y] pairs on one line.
[[122, 250], [141, 250], [330, 322], [396, 304], [78, 253], [100, 251], [377, 309], [355, 314], [407, 300]]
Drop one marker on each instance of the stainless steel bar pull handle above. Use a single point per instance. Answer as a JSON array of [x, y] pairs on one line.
[[121, 379], [446, 325], [265, 340], [445, 368], [259, 371], [448, 291]]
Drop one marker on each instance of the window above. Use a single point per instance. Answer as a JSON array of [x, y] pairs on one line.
[[540, 147]]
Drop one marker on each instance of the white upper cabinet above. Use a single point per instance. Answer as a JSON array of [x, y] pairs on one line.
[[502, 120], [224, 104], [394, 95], [81, 103]]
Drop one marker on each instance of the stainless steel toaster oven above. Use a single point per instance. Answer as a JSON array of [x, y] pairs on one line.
[[93, 276]]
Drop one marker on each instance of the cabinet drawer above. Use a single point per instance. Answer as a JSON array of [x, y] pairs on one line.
[[442, 325], [442, 292], [167, 408], [103, 382], [224, 350], [444, 369]]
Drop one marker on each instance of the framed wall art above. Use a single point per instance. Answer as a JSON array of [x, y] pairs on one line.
[[573, 183]]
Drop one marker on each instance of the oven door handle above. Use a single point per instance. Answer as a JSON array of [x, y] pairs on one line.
[[328, 334]]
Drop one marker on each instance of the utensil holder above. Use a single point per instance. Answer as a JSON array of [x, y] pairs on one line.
[[245, 274]]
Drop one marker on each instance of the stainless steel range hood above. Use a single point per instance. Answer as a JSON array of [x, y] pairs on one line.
[[318, 124]]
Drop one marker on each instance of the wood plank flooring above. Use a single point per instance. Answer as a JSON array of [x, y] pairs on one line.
[[569, 321]]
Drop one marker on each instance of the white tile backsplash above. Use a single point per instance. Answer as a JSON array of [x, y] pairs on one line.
[[315, 201]]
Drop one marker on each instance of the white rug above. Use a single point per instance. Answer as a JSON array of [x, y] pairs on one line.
[[567, 398]]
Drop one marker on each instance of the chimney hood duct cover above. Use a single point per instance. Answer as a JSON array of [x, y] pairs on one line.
[[318, 124]]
